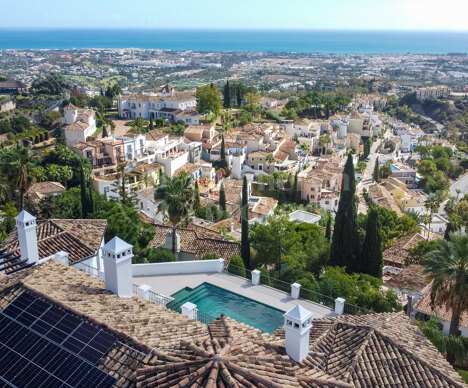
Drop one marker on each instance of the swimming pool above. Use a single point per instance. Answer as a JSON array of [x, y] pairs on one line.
[[215, 301], [394, 168]]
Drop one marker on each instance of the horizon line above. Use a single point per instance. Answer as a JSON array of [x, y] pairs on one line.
[[35, 28]]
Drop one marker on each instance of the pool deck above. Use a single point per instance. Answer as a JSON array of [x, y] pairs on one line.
[[170, 284]]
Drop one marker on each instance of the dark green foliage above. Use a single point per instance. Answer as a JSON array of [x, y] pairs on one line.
[[227, 96], [376, 173], [245, 242], [222, 198], [210, 256], [345, 247], [151, 125], [84, 195], [196, 196], [265, 277], [223, 150], [51, 83], [152, 255], [104, 131], [328, 228], [371, 260], [236, 266], [20, 124]]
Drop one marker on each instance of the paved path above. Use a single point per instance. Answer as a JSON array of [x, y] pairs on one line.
[[170, 284]]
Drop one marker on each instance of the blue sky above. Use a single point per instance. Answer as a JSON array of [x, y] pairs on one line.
[[243, 14]]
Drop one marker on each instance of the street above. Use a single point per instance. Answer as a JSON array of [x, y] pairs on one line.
[[367, 179]]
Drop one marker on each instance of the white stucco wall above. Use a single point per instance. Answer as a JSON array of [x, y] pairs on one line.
[[178, 267]]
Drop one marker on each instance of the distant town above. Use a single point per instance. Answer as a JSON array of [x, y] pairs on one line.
[[322, 195]]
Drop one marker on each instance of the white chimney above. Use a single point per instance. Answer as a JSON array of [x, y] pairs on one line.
[[117, 256], [26, 226], [297, 324], [231, 227]]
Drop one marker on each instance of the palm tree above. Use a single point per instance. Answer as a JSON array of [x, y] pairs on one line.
[[18, 166], [447, 267], [426, 220], [66, 175], [432, 203], [176, 195]]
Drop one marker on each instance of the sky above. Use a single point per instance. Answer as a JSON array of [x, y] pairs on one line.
[[237, 14]]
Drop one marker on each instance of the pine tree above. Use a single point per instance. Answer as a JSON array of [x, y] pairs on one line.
[[84, 196], [376, 173], [222, 198], [328, 229], [345, 247], [227, 96], [196, 196], [245, 243], [151, 126], [371, 254]]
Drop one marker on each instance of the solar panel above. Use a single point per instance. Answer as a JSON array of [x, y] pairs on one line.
[[61, 327], [36, 353]]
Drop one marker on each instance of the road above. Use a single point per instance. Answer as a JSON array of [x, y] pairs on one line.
[[367, 180], [461, 184]]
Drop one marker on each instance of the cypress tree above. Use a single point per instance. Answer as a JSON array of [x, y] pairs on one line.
[[222, 198], [376, 173], [287, 189], [227, 95], [91, 208], [328, 229], [104, 130], [223, 150], [345, 247], [238, 96], [297, 190], [245, 243], [151, 126], [196, 196], [84, 196], [371, 255]]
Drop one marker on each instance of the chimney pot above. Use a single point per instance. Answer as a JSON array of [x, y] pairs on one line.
[[117, 256], [27, 237], [297, 325]]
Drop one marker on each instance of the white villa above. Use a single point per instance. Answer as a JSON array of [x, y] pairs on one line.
[[168, 104], [79, 124]]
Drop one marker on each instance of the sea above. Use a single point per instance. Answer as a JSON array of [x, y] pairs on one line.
[[287, 41]]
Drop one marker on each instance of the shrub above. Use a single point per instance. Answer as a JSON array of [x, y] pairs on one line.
[[265, 276], [210, 256], [152, 255], [236, 266]]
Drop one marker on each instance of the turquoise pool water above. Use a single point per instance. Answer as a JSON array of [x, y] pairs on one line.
[[394, 168], [215, 301]]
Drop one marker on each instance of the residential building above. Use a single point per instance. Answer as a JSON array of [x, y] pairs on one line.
[[300, 216], [168, 104], [398, 252], [135, 340], [423, 309], [79, 124], [207, 135], [433, 92], [40, 190], [148, 205], [81, 239], [12, 86], [404, 174]]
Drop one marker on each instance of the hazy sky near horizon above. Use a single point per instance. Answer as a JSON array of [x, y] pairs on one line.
[[237, 14]]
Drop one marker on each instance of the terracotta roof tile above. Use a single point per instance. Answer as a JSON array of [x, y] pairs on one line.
[[80, 238], [397, 253]]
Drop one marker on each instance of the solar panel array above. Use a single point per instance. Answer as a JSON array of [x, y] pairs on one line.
[[44, 346]]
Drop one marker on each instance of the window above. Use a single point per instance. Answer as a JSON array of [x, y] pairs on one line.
[[89, 154], [142, 206], [312, 189], [106, 189], [312, 196], [260, 167], [252, 166], [327, 202]]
